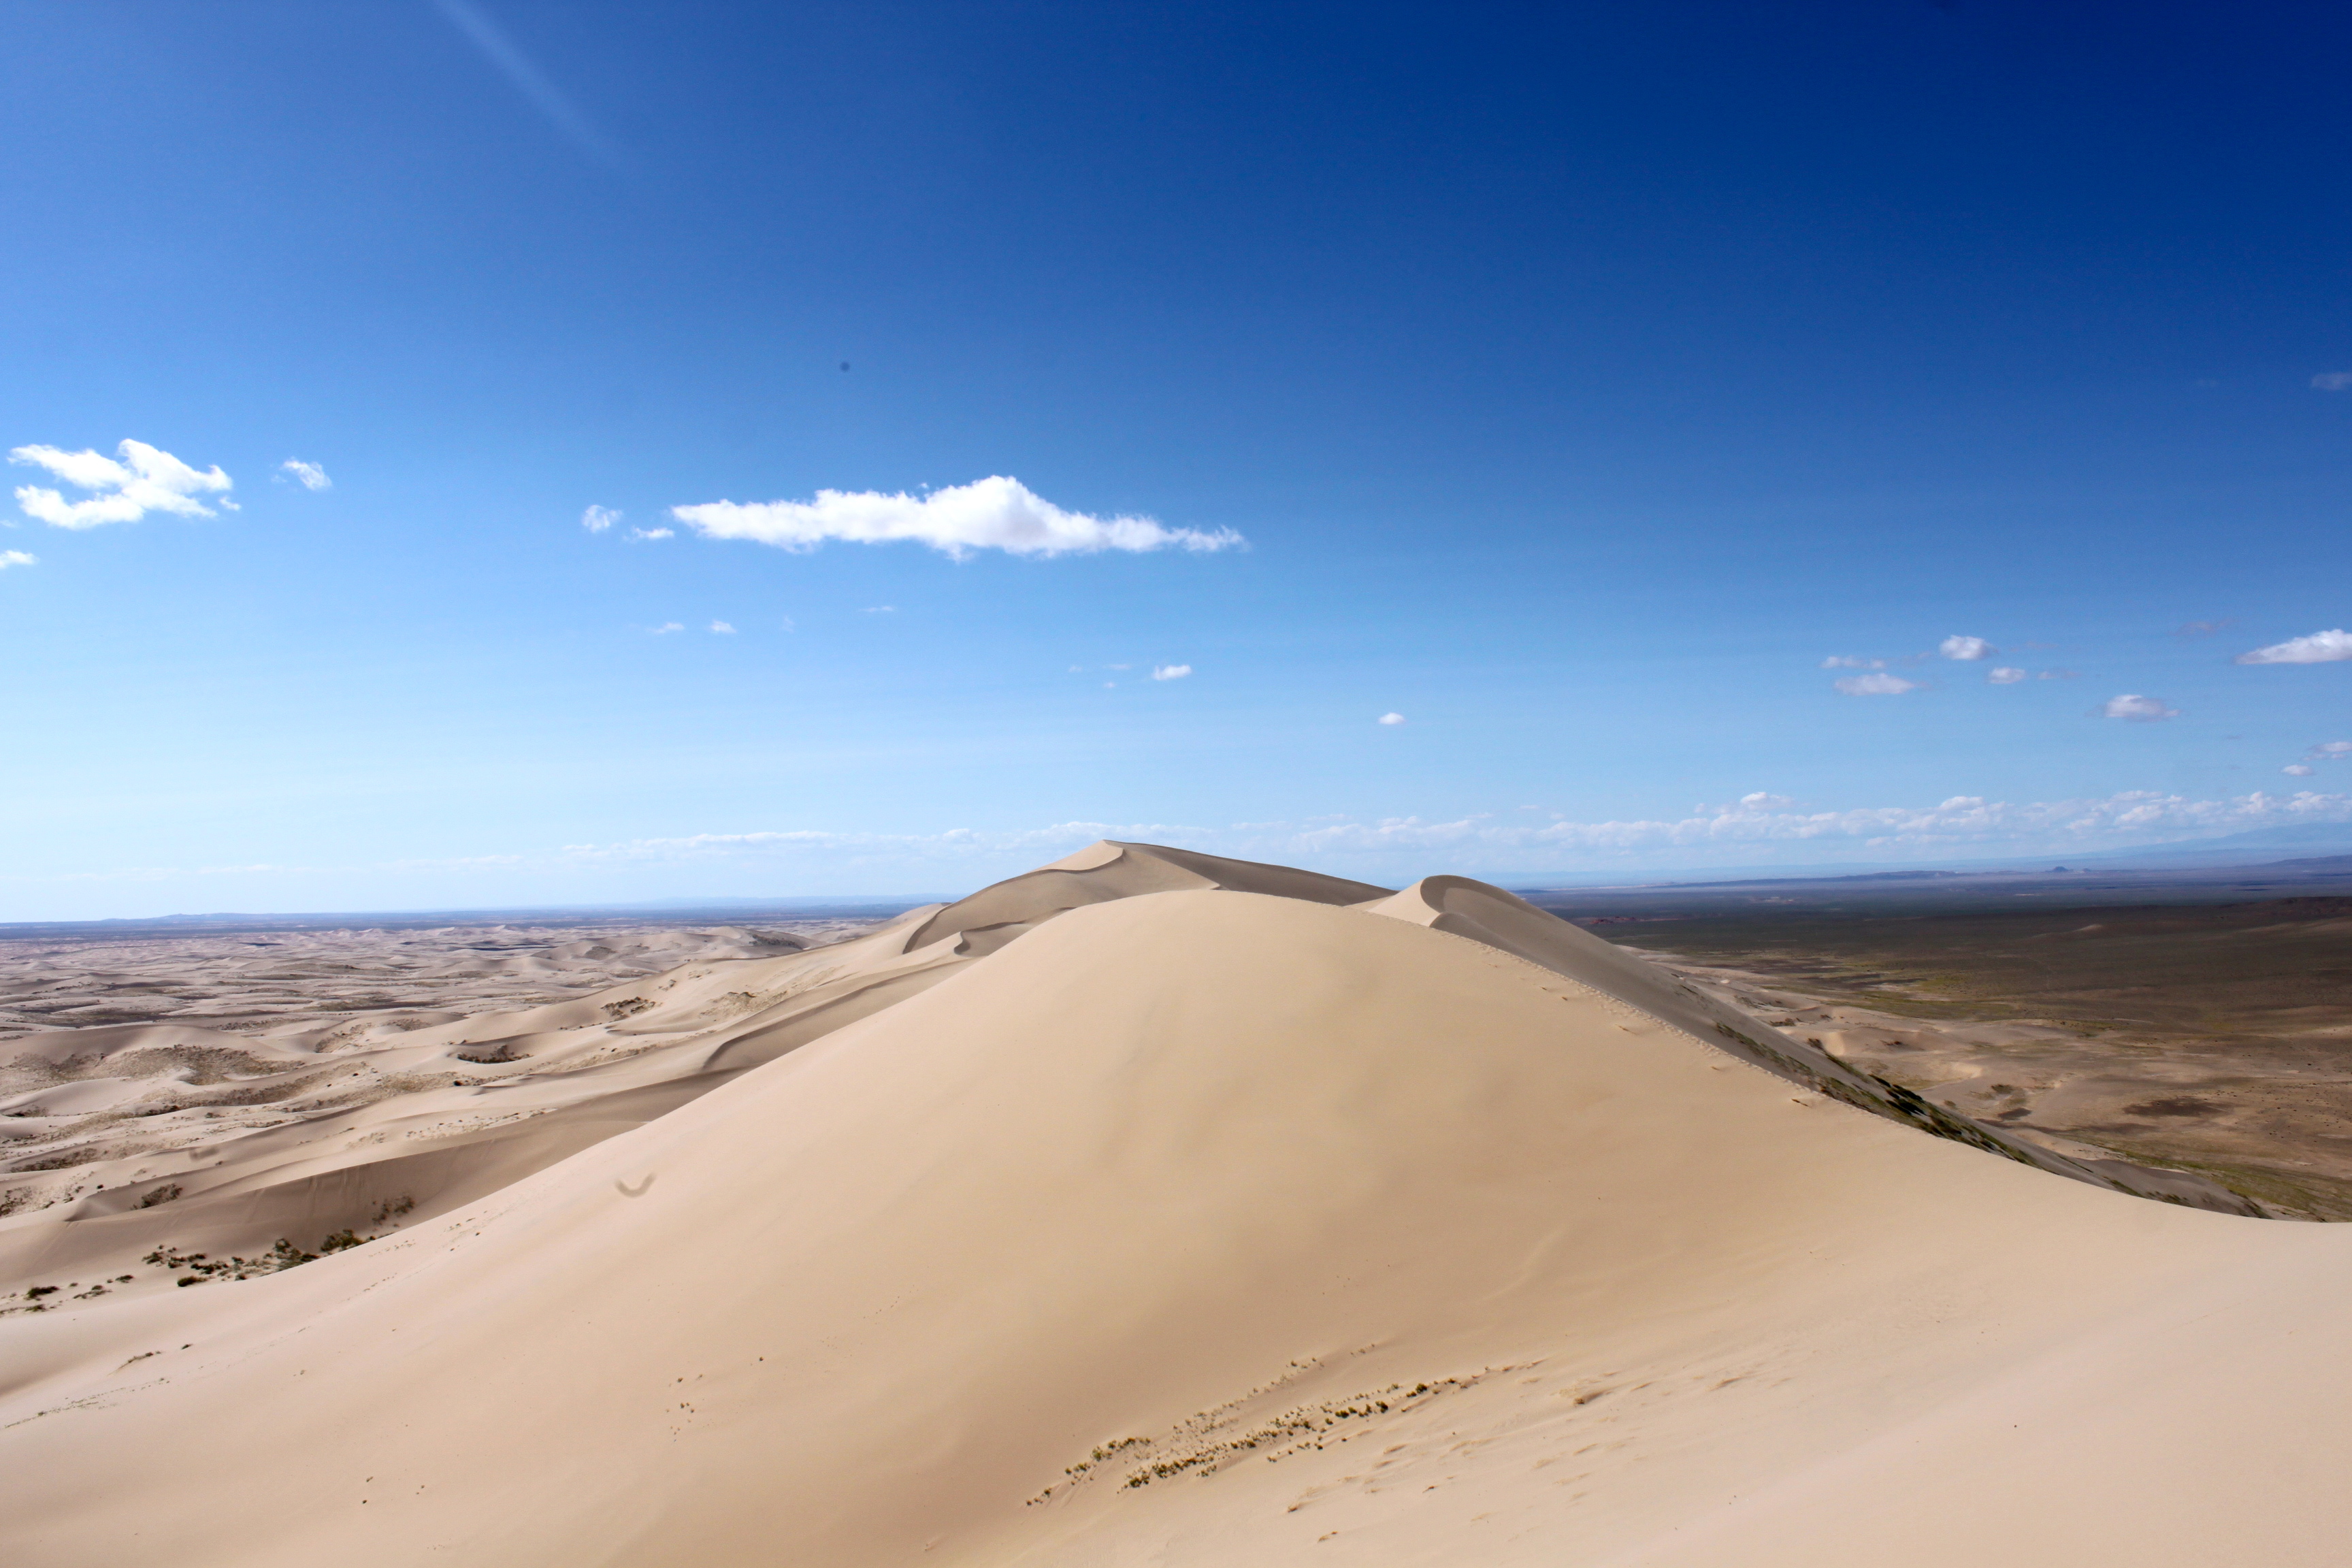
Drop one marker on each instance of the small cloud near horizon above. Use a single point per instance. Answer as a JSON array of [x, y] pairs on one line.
[[597, 519], [995, 513], [2319, 648], [1391, 719], [1962, 647], [145, 479], [2132, 705], [1170, 671], [1875, 685], [310, 476]]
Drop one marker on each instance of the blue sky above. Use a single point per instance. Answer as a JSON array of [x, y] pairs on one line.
[[1571, 382]]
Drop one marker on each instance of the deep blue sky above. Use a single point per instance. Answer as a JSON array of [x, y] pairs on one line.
[[1581, 378]]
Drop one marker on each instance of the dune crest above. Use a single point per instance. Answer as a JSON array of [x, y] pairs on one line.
[[1218, 1213]]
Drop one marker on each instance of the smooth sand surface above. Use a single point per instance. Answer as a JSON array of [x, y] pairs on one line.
[[1201, 1223]]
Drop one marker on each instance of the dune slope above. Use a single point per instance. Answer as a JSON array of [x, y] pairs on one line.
[[1203, 1225]]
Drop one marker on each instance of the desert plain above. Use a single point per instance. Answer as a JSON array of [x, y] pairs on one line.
[[1146, 1208]]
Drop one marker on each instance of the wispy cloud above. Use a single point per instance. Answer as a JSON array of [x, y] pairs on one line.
[[879, 610], [1962, 647], [1756, 821], [1879, 685], [2319, 648], [2007, 675], [995, 513], [145, 479], [1848, 661], [2332, 380], [722, 628], [17, 558], [2132, 705], [310, 476], [1392, 719], [1170, 671], [597, 519], [2331, 751], [650, 534], [2298, 770], [531, 82], [667, 627], [2202, 628], [1759, 827]]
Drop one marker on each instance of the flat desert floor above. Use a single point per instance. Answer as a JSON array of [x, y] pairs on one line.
[[2210, 1037]]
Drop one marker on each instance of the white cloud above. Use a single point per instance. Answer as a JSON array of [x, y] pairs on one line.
[[2299, 770], [310, 476], [880, 610], [667, 627], [2332, 380], [995, 513], [2132, 705], [145, 480], [1392, 719], [1966, 647], [1875, 685], [1844, 661], [2331, 751], [597, 519], [723, 628], [2319, 648], [1170, 671], [16, 558], [652, 533], [2005, 674]]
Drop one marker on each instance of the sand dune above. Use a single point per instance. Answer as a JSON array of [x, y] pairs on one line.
[[1155, 1209]]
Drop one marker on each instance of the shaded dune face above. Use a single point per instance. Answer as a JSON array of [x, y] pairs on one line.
[[1198, 1225]]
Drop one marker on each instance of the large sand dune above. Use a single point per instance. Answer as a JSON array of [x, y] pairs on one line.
[[1152, 1209]]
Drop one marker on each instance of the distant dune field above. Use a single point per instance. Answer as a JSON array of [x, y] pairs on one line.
[[1144, 1209]]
